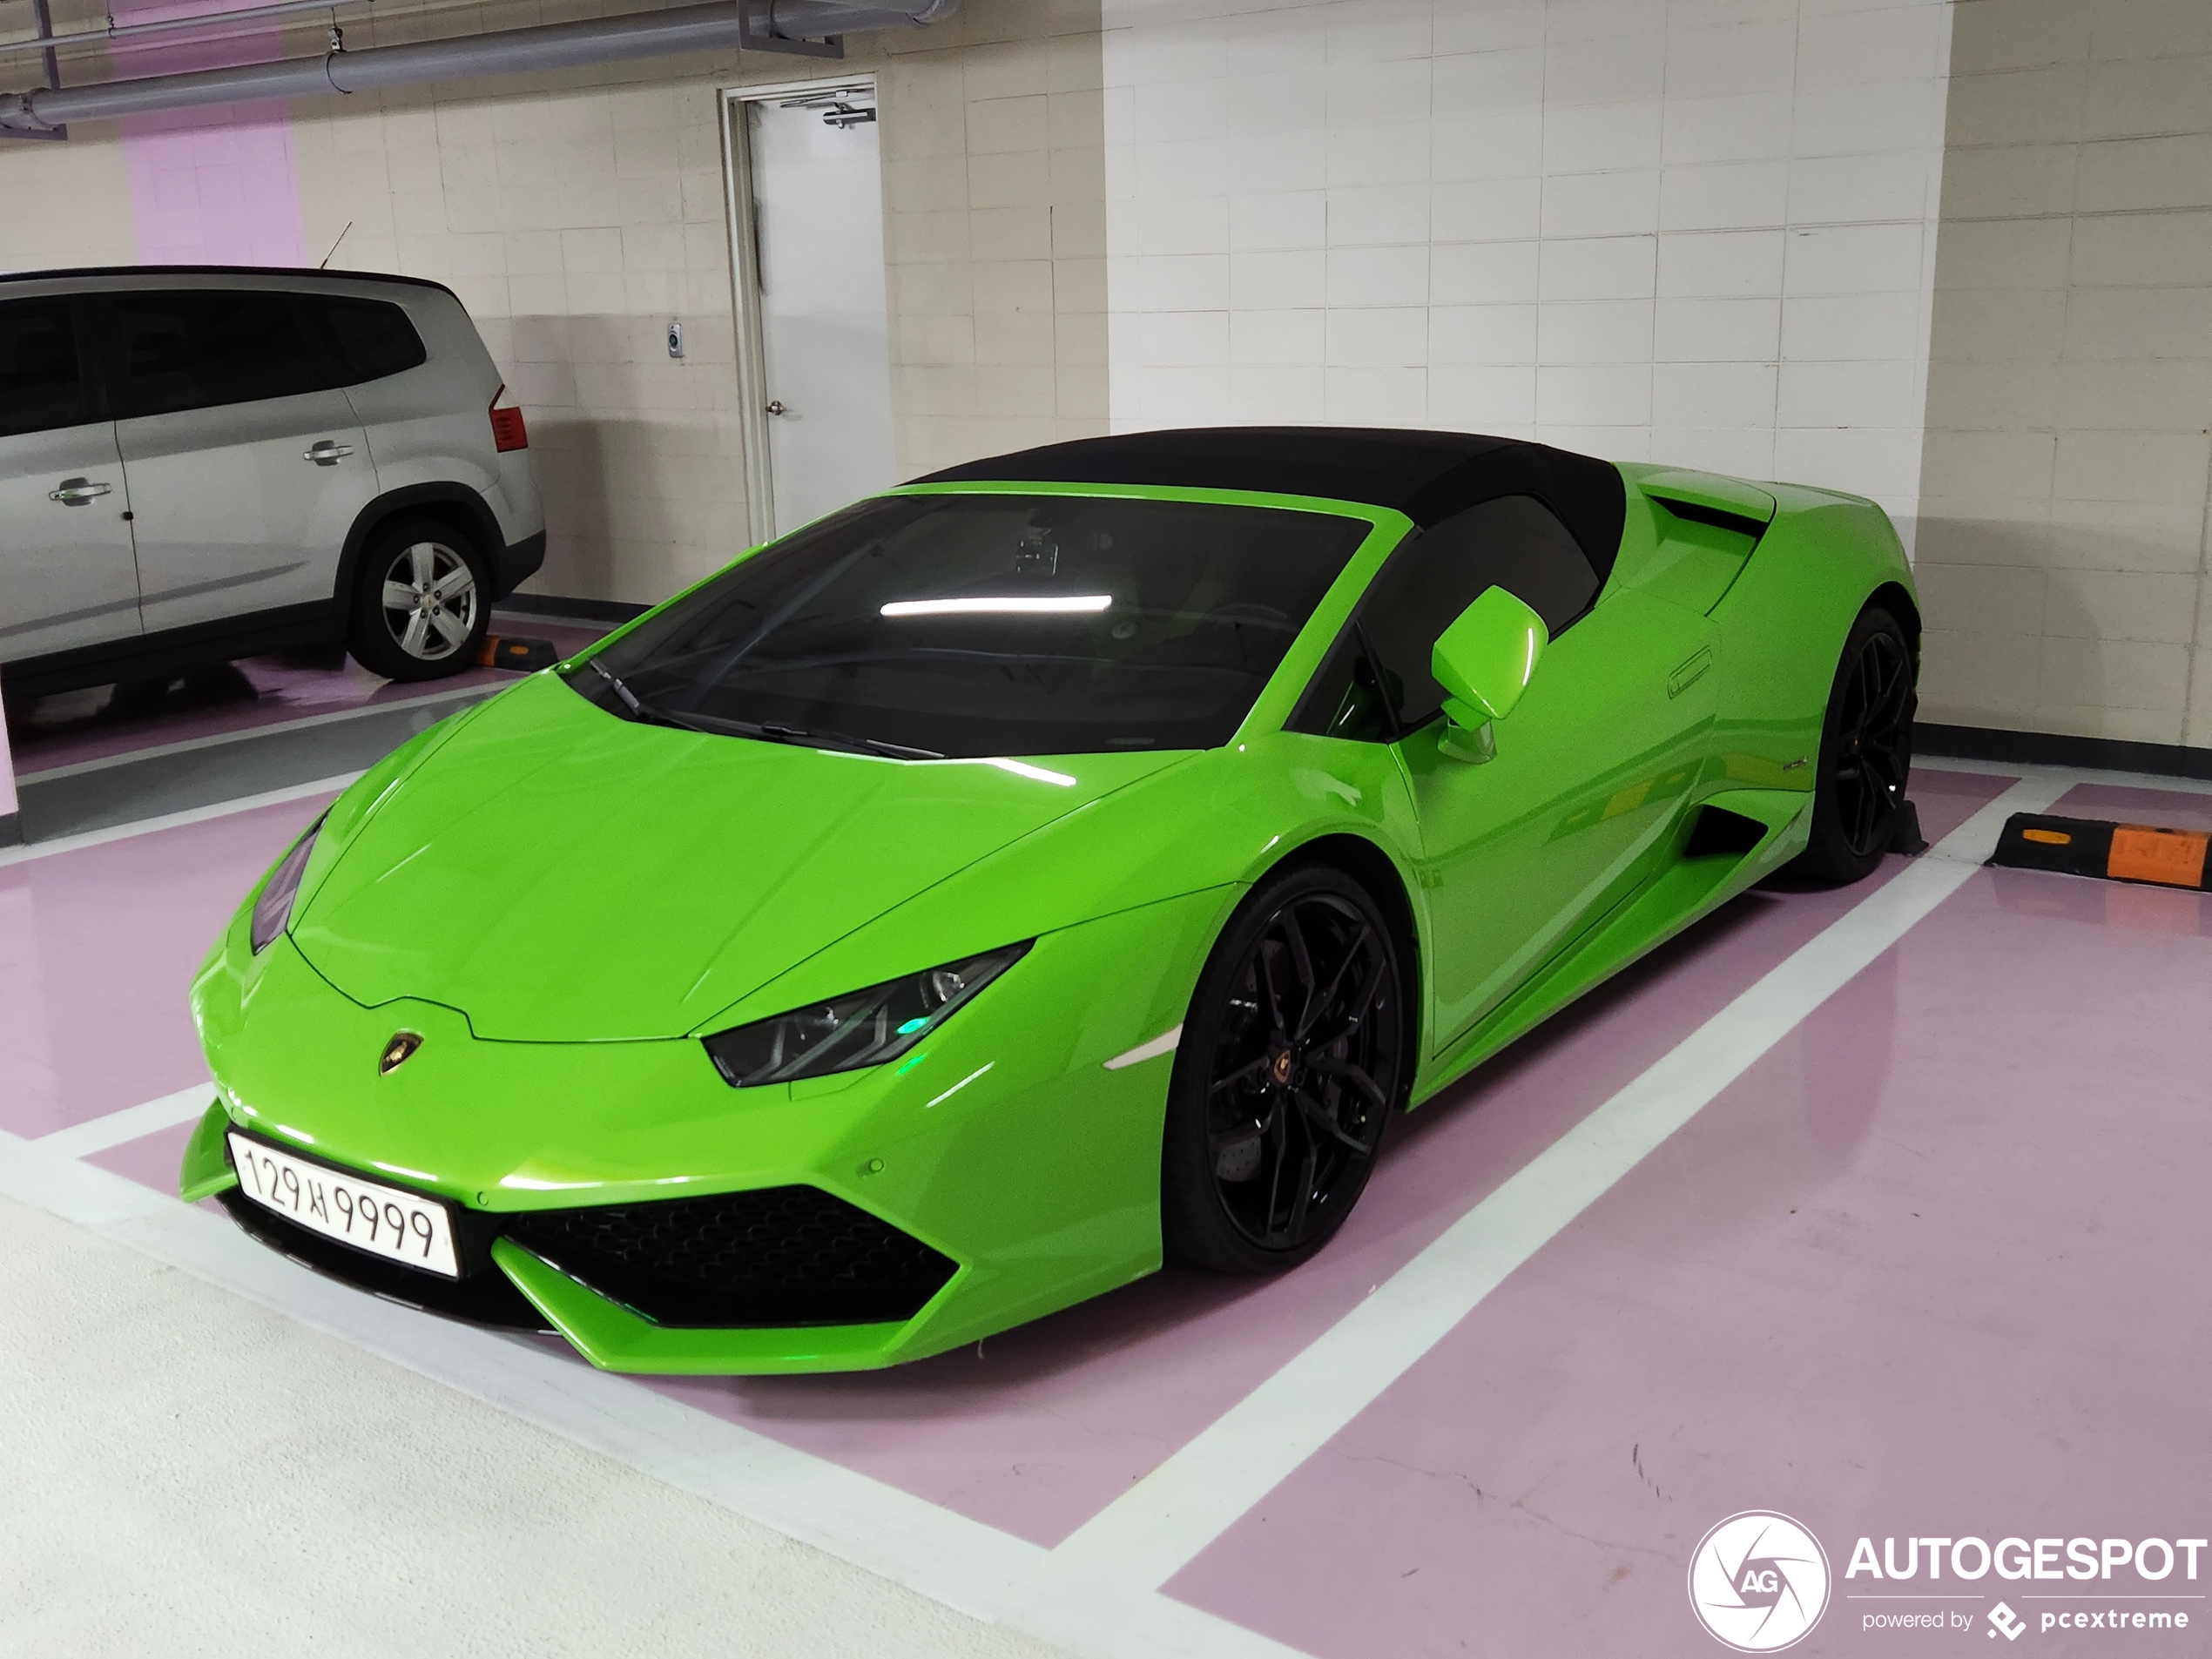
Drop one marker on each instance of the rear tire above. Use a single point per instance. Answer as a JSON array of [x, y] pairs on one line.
[[421, 602], [1295, 1053], [1865, 753]]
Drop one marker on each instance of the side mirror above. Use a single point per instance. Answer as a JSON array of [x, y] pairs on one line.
[[1484, 661]]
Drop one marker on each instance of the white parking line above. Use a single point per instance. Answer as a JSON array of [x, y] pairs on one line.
[[941, 1554], [1161, 1522], [189, 745], [173, 820], [81, 1140]]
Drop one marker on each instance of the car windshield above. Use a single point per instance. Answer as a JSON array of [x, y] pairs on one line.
[[967, 625]]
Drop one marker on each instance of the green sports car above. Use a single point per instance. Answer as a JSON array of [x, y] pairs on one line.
[[1066, 863]]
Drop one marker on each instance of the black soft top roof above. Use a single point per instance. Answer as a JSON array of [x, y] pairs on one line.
[[1426, 476]]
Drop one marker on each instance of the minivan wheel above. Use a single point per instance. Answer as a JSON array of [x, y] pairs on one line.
[[422, 603]]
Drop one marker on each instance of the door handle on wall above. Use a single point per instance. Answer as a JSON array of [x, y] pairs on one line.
[[76, 492], [325, 453], [776, 408]]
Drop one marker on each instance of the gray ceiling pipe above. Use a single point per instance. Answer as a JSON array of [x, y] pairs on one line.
[[511, 52]]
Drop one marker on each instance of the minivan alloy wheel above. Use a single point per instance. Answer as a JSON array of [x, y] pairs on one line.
[[429, 601]]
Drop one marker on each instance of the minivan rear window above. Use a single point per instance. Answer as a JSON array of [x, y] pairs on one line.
[[197, 348], [370, 338], [40, 386]]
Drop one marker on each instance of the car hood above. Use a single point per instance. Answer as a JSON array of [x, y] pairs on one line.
[[557, 873]]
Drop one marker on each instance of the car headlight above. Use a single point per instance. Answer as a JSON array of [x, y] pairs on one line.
[[273, 910], [863, 1028]]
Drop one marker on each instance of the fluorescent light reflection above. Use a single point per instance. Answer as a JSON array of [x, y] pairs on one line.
[[1023, 768], [1009, 605], [962, 1084]]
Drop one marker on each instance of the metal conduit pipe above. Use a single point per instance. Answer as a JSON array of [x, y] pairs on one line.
[[562, 45], [212, 22]]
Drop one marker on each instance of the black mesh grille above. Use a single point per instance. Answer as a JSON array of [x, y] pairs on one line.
[[783, 1255]]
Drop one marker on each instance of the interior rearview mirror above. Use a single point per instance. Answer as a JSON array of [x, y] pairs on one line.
[[1484, 661]]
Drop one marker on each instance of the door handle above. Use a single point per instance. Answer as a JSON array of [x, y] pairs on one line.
[[776, 408], [326, 453], [1690, 672], [76, 492]]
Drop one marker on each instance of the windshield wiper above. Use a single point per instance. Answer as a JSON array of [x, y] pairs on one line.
[[766, 731], [641, 709], [902, 752], [777, 732]]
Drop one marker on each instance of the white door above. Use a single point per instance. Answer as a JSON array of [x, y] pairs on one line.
[[245, 477], [67, 576], [825, 323]]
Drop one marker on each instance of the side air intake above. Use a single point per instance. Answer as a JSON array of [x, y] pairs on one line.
[[1719, 833]]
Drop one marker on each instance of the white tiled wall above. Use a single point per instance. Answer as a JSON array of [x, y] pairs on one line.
[[2070, 395], [576, 213], [1693, 231]]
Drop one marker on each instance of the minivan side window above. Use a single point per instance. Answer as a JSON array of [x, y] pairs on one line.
[[370, 338], [198, 348], [1514, 542], [41, 386]]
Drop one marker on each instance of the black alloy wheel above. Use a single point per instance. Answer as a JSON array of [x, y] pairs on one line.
[[1866, 753], [1293, 1060]]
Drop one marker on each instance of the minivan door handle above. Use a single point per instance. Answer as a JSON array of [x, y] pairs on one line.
[[77, 492], [326, 453]]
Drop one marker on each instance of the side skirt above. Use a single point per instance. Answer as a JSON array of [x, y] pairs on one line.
[[1691, 885]]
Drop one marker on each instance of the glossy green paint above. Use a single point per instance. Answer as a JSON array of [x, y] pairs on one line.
[[562, 902], [1486, 658]]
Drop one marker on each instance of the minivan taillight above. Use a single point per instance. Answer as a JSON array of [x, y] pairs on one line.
[[507, 431]]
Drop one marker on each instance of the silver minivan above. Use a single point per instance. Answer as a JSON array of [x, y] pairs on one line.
[[202, 463]]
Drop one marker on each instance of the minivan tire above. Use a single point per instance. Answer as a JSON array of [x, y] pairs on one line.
[[421, 601]]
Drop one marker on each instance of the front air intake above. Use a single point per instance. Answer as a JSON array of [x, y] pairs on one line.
[[777, 1256]]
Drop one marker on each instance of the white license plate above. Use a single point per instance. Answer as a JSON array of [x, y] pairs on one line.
[[384, 1221]]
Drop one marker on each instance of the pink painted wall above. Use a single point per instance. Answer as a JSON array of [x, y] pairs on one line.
[[213, 187]]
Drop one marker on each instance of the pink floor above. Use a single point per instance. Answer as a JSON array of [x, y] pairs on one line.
[[1931, 1266]]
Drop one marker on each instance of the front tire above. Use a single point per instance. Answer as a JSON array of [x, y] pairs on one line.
[[1295, 1053], [1865, 753], [421, 602]]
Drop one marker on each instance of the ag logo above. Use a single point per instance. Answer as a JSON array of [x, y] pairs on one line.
[[1759, 1581]]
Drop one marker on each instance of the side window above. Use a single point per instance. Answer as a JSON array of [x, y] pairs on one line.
[[1514, 542], [200, 348], [370, 338], [41, 386]]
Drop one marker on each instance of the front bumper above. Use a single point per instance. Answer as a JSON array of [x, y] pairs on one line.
[[660, 1221]]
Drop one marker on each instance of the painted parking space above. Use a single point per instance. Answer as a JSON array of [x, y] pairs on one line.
[[1918, 1271], [1051, 1422], [1038, 1432], [97, 948], [1047, 1425], [253, 696]]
